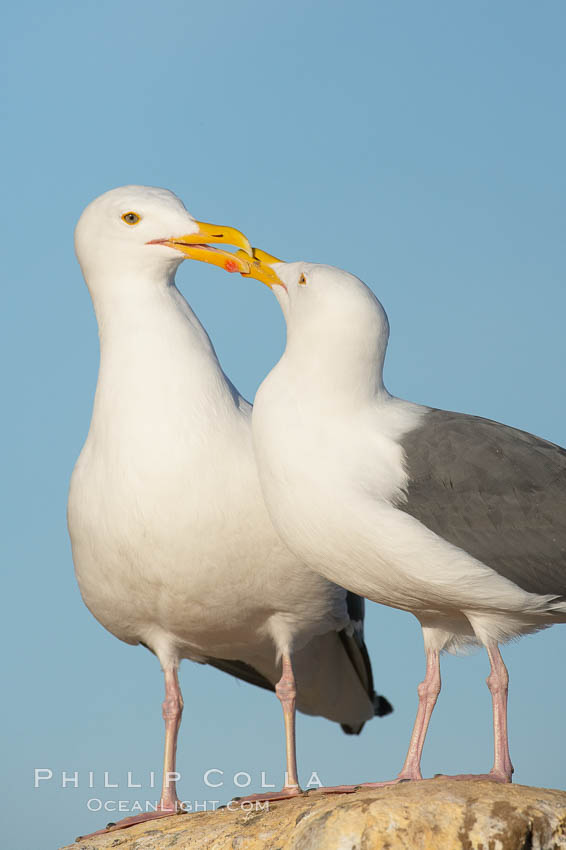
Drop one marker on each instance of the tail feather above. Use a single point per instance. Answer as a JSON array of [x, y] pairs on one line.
[[329, 673], [357, 652]]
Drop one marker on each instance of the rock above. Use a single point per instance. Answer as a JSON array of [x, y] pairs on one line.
[[430, 815]]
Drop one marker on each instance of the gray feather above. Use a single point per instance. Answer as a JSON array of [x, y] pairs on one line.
[[242, 671], [494, 491], [355, 647]]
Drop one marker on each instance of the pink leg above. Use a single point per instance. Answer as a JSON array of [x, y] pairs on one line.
[[172, 713], [286, 692], [428, 691], [497, 682], [169, 803]]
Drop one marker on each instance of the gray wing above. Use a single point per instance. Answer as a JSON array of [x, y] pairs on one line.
[[494, 491], [356, 650], [241, 670]]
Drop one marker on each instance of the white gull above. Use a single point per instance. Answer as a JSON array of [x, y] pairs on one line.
[[172, 544], [456, 519]]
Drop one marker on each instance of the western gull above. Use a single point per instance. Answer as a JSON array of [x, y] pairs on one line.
[[172, 544], [457, 519]]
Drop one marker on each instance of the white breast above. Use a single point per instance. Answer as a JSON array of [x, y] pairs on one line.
[[168, 526], [332, 478]]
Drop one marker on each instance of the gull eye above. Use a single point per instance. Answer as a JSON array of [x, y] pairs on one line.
[[131, 218], [302, 280]]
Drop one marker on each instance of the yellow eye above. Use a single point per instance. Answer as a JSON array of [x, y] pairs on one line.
[[302, 280], [131, 218]]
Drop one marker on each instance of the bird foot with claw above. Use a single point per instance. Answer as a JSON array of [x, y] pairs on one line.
[[503, 778], [271, 797], [132, 821], [361, 786]]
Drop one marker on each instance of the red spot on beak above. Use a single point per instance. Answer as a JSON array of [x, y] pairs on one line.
[[231, 266]]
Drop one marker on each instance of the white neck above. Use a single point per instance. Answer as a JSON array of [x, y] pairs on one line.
[[335, 372], [158, 367]]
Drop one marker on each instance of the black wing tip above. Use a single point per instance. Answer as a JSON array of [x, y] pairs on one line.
[[381, 706], [351, 730]]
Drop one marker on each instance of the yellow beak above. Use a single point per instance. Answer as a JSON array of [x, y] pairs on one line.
[[260, 267], [196, 247]]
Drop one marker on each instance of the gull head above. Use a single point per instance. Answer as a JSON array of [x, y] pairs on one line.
[[144, 231], [328, 311], [337, 330]]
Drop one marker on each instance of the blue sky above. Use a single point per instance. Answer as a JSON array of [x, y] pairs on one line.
[[418, 145]]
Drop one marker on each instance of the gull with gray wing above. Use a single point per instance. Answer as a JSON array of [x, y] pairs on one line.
[[456, 519]]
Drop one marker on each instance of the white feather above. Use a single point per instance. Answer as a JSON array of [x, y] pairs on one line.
[[172, 544], [327, 437]]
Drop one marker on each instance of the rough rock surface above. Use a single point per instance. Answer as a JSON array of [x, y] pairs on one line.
[[430, 815]]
